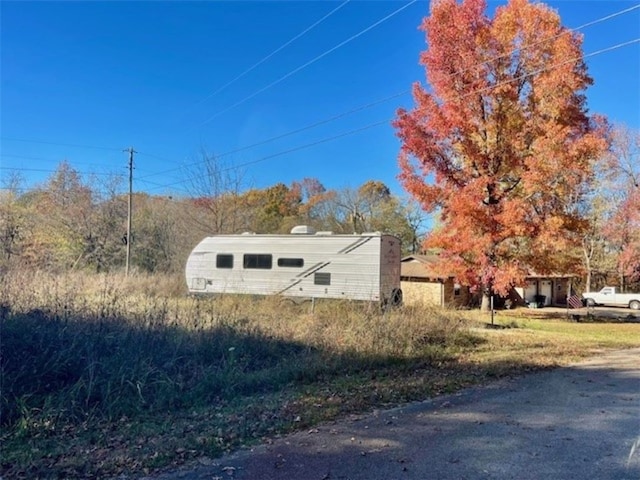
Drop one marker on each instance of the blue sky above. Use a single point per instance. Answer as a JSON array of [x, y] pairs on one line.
[[82, 81]]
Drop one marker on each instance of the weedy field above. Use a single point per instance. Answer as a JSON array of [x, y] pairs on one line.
[[104, 375]]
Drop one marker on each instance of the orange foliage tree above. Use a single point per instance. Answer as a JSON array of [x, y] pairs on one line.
[[622, 229], [501, 147], [623, 232]]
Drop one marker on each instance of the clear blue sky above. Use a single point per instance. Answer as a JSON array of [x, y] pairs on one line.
[[83, 81]]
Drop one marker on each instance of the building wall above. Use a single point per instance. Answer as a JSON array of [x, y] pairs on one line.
[[534, 286], [424, 292], [455, 295], [435, 292]]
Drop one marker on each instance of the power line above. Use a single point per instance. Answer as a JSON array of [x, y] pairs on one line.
[[310, 62], [48, 160], [294, 149], [460, 97], [44, 142], [22, 157], [281, 47], [45, 170], [73, 163], [552, 67], [562, 32], [284, 152], [50, 170], [308, 127], [608, 17], [357, 130], [288, 134], [344, 113], [154, 156], [391, 97]]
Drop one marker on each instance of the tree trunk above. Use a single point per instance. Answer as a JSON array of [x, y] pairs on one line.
[[485, 306], [487, 293], [587, 264]]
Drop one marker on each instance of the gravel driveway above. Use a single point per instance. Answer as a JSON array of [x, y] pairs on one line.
[[579, 422]]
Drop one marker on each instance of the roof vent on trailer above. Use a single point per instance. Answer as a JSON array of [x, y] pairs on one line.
[[302, 230]]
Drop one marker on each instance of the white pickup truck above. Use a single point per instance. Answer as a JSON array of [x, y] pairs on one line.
[[609, 296]]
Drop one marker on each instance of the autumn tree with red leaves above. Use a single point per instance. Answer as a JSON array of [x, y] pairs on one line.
[[622, 230], [501, 145]]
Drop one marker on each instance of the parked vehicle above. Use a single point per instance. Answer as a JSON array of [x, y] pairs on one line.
[[609, 296], [301, 264]]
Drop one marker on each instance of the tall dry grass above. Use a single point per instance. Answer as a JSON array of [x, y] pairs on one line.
[[92, 365], [80, 347]]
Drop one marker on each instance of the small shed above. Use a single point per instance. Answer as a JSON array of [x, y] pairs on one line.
[[421, 284]]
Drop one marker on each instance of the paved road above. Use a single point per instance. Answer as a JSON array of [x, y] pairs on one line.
[[613, 313], [619, 313], [579, 422]]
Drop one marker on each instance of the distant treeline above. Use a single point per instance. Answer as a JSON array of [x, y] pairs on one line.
[[73, 222]]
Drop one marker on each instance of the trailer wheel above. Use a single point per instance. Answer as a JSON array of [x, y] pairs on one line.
[[634, 305], [396, 297]]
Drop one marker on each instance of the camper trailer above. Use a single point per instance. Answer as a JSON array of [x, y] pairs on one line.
[[304, 263]]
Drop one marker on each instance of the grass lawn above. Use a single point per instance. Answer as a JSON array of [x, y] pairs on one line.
[[111, 380]]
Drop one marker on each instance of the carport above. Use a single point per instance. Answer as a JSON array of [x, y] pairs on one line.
[[543, 290]]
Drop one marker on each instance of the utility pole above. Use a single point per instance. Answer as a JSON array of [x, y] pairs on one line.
[[131, 152]]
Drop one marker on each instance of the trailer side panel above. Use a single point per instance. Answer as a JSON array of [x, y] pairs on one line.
[[358, 267]]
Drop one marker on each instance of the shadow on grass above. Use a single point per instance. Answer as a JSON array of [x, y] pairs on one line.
[[75, 368], [76, 372], [70, 368]]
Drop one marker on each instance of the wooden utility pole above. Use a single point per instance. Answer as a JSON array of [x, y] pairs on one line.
[[131, 152]]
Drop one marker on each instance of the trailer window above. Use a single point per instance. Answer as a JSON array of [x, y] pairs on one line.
[[291, 262], [257, 260], [224, 260], [322, 278]]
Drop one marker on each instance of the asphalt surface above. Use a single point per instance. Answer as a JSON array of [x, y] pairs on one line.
[[611, 313], [579, 422]]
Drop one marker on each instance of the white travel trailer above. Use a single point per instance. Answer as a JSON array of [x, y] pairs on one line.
[[301, 264]]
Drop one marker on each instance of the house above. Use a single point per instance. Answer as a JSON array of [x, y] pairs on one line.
[[543, 290], [421, 284]]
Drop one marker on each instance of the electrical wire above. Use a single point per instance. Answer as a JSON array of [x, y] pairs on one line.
[[47, 170], [288, 134], [341, 115], [40, 159], [45, 142], [294, 149], [310, 62], [280, 48], [386, 121], [461, 97], [329, 119], [396, 95]]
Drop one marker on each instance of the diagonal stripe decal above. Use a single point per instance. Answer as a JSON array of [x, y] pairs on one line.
[[358, 243], [303, 275]]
